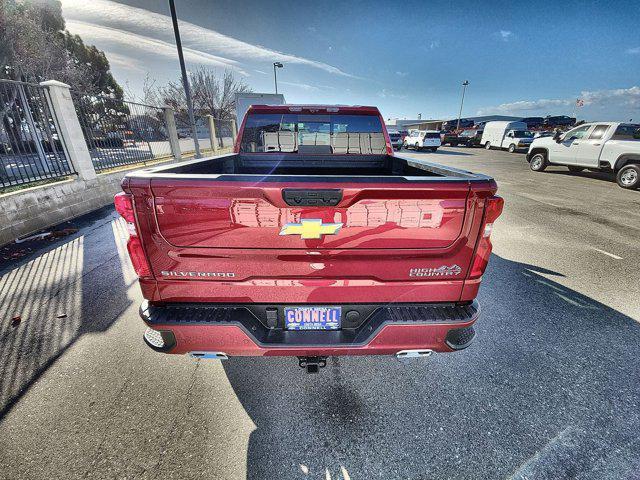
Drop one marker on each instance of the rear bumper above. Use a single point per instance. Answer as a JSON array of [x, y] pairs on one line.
[[256, 330]]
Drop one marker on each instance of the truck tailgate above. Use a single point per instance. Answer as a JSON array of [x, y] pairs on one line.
[[220, 241], [248, 216]]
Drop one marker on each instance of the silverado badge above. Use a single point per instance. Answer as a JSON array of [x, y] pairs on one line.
[[310, 228]]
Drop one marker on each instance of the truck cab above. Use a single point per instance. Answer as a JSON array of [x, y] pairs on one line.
[[599, 146]]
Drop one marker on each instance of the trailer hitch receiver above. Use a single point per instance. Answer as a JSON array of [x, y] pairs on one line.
[[312, 364]]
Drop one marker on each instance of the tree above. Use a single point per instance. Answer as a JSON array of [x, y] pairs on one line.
[[212, 95], [35, 46]]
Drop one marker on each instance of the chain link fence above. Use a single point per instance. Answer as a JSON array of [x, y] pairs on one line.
[[119, 132], [30, 148]]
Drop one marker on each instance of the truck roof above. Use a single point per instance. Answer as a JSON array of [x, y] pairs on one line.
[[291, 108]]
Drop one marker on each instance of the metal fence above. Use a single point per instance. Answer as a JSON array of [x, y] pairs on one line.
[[185, 135], [119, 132], [30, 147], [224, 132]]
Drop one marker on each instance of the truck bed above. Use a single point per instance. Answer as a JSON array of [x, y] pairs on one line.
[[274, 166]]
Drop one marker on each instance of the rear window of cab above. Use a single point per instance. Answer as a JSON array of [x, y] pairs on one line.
[[291, 132]]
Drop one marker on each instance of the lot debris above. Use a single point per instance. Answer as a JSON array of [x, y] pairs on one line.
[[48, 235], [38, 236]]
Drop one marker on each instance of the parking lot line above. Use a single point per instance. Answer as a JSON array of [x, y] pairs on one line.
[[607, 253]]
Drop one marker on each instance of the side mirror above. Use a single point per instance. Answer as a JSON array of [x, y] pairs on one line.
[[557, 136]]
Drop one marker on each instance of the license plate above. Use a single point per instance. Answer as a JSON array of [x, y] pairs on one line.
[[312, 318]]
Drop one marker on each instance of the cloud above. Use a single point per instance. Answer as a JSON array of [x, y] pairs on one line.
[[157, 26], [434, 44], [402, 74], [302, 86], [633, 51], [504, 35], [524, 105], [384, 93], [122, 40], [305, 86], [125, 62], [621, 98], [261, 72], [629, 97]]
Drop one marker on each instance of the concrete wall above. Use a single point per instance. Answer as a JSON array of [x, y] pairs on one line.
[[30, 210], [27, 211]]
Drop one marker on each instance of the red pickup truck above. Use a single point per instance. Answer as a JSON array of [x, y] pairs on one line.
[[312, 239]]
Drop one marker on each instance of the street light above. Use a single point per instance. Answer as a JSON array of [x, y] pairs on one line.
[[464, 87], [275, 76], [185, 79]]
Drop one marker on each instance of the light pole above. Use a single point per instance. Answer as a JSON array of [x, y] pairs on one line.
[[464, 88], [275, 76], [185, 79]]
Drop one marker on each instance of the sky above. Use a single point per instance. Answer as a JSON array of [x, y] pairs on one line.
[[520, 58]]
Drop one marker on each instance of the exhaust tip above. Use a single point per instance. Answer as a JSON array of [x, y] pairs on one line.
[[405, 354], [209, 355]]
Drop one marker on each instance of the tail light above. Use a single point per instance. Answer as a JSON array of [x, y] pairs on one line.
[[492, 210], [124, 206]]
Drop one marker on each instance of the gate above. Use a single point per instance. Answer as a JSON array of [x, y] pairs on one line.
[[31, 149]]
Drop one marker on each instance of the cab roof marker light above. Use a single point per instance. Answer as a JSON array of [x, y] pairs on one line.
[[295, 109]]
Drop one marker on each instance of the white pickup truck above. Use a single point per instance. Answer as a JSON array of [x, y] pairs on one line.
[[597, 146]]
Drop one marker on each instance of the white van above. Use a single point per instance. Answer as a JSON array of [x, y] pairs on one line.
[[419, 139], [510, 136]]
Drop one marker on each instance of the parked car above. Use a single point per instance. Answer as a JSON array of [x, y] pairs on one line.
[[542, 134], [450, 138], [559, 121], [396, 139], [419, 139], [471, 138], [453, 124], [604, 146], [533, 122], [228, 271], [511, 136]]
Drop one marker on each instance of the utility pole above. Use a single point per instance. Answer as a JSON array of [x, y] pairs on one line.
[[464, 88], [185, 79], [275, 76]]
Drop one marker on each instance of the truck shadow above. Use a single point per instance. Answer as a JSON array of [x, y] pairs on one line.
[[604, 176], [441, 151], [549, 389], [58, 292]]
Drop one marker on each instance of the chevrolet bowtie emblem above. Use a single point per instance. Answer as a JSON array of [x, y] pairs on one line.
[[310, 228]]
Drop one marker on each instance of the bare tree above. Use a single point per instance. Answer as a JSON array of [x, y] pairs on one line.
[[149, 95], [212, 95]]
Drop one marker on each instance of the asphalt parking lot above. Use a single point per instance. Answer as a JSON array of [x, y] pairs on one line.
[[549, 390]]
